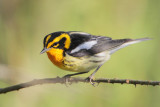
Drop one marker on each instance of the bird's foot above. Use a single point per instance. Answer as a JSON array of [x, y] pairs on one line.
[[90, 79]]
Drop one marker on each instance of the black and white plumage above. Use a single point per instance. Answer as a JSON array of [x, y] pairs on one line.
[[86, 44]]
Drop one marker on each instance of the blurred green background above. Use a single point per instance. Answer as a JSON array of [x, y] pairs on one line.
[[24, 23]]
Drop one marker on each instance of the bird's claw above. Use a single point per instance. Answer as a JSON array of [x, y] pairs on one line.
[[89, 79]]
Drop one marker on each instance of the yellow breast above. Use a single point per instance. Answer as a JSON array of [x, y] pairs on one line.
[[56, 56]]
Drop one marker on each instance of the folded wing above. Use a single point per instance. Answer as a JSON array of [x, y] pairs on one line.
[[86, 44]]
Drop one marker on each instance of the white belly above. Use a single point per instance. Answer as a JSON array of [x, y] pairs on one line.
[[84, 64]]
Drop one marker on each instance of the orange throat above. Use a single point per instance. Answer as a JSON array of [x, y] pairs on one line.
[[56, 56]]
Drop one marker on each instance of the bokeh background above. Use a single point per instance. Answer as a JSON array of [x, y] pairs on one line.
[[24, 23]]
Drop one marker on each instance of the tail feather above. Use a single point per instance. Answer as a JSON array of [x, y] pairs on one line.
[[132, 41], [142, 39]]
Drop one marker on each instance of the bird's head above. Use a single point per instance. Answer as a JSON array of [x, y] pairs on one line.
[[56, 40]]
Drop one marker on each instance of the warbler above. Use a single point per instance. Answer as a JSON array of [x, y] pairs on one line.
[[81, 52]]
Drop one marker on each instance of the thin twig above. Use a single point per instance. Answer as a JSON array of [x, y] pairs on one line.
[[75, 80]]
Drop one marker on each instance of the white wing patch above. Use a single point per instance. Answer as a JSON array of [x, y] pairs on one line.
[[85, 45]]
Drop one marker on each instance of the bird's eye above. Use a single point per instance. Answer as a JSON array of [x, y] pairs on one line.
[[55, 44]]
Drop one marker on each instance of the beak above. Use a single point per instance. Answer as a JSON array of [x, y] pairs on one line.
[[44, 50]]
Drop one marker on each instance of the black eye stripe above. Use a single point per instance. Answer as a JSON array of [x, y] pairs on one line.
[[54, 44], [62, 40], [52, 38], [61, 43]]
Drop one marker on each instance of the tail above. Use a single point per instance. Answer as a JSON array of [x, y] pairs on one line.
[[127, 43]]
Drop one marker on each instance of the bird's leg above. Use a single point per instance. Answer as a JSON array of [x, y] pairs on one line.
[[69, 75], [91, 76]]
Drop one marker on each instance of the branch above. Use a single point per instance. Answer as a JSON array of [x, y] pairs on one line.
[[75, 80]]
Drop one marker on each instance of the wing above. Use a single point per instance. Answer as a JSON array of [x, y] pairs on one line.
[[94, 47], [79, 38], [84, 44]]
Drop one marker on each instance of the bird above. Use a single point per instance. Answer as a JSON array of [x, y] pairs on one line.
[[81, 52]]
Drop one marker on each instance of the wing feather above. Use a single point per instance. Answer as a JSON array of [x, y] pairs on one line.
[[84, 44]]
